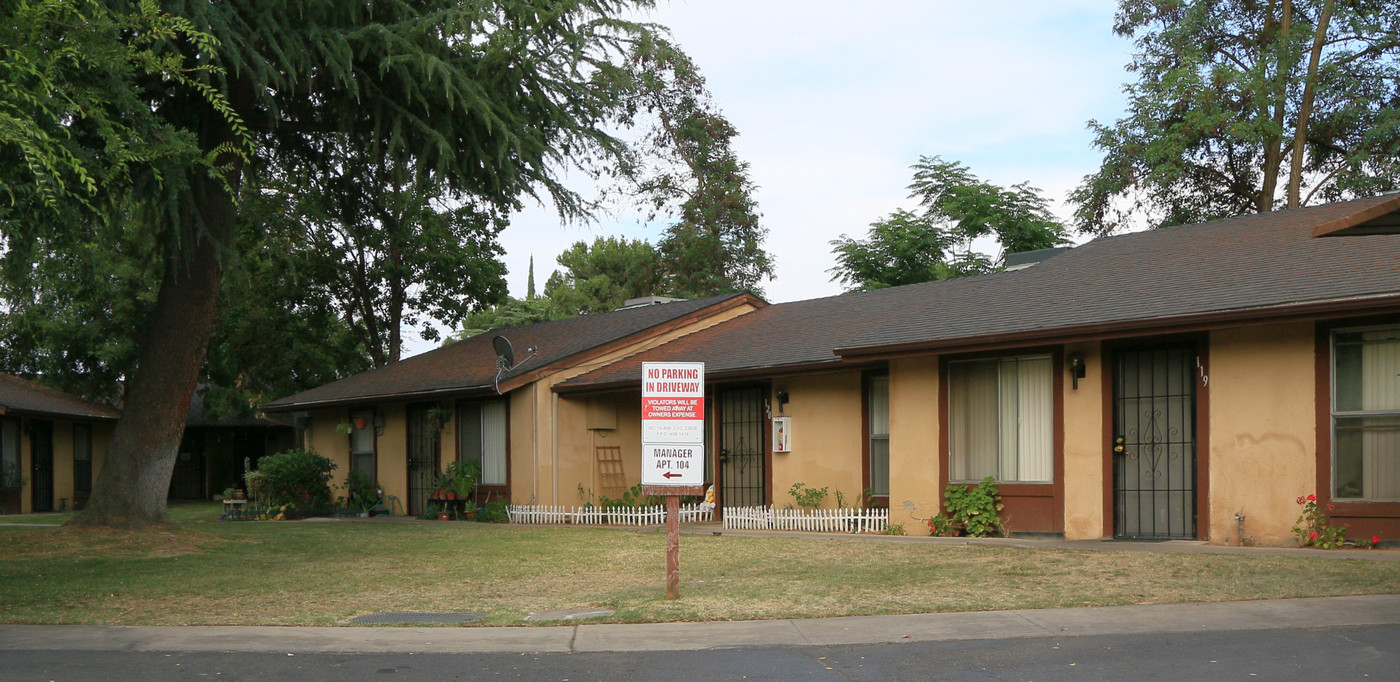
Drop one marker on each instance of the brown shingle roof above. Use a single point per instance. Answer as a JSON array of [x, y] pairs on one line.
[[21, 396], [1256, 267], [469, 366]]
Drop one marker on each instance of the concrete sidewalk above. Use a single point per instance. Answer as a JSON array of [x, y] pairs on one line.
[[1326, 612]]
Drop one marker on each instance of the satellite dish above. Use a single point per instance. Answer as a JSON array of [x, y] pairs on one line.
[[503, 350], [505, 358]]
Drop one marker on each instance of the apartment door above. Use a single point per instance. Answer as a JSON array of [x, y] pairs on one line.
[[41, 465], [743, 451], [1154, 443], [423, 450]]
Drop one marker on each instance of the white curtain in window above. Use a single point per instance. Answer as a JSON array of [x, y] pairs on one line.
[[362, 439], [493, 443], [880, 435], [1034, 409], [1380, 390], [972, 420]]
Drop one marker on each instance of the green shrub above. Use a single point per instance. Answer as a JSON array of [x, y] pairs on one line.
[[631, 498], [297, 479], [973, 510], [493, 512], [362, 491], [807, 497]]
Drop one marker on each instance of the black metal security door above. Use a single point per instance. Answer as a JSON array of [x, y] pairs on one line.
[[423, 449], [1154, 444], [41, 465], [742, 448]]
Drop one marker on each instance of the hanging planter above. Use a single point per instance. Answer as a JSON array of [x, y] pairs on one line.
[[361, 423]]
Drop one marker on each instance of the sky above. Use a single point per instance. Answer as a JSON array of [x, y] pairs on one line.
[[834, 101]]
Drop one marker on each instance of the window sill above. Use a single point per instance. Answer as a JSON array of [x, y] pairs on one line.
[[1358, 509]]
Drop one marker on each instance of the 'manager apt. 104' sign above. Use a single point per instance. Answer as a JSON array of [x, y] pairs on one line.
[[673, 424]]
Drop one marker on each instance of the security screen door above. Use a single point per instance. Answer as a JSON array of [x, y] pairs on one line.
[[1154, 443], [742, 448]]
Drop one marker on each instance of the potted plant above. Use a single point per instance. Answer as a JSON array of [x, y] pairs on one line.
[[463, 476], [360, 423], [446, 487], [228, 493], [363, 492]]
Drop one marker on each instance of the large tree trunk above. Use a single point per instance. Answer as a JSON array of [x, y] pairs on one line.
[[1305, 108], [131, 489], [1273, 153]]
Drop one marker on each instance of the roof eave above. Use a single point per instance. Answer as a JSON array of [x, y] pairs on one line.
[[1286, 312], [49, 414], [1348, 225], [724, 376], [510, 383], [452, 392]]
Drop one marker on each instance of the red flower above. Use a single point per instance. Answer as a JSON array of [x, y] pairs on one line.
[[1300, 499], [1312, 498], [1331, 507], [1313, 536], [1375, 539]]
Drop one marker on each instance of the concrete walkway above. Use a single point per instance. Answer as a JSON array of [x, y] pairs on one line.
[[1327, 612]]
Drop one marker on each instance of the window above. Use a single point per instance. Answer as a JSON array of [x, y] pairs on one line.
[[1000, 415], [481, 436], [362, 442], [82, 463], [1366, 414], [10, 473], [878, 400]]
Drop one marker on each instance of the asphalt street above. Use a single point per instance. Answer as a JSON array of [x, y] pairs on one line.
[[1370, 653]]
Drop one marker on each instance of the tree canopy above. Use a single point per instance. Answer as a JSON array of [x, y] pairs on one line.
[[1245, 106], [936, 242], [483, 104], [689, 171], [599, 277]]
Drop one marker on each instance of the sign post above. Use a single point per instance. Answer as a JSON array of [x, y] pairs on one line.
[[673, 446]]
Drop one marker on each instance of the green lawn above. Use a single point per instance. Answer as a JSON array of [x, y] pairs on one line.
[[326, 572]]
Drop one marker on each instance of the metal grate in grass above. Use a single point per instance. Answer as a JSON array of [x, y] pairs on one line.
[[405, 617]]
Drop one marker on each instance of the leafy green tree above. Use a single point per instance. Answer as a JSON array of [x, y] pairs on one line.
[[600, 277], [513, 312], [277, 331], [936, 242], [1244, 106], [388, 247], [692, 174], [487, 102]]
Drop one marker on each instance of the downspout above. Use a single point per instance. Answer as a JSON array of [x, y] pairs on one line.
[[554, 442], [534, 441]]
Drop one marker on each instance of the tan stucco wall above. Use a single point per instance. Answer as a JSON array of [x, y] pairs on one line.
[[1084, 447], [826, 437], [322, 439], [1262, 429], [524, 415], [63, 495], [914, 437], [560, 443]]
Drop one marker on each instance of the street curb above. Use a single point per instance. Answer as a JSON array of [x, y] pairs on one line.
[[1320, 612]]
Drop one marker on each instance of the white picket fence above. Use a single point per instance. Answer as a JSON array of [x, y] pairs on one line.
[[609, 516], [849, 520]]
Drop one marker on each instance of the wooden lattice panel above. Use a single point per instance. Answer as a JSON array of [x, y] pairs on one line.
[[611, 480]]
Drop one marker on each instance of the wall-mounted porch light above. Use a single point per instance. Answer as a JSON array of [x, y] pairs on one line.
[[1076, 368]]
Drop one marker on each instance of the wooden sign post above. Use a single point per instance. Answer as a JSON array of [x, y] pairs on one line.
[[673, 446]]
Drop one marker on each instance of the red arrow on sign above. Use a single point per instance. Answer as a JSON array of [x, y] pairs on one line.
[[671, 475]]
